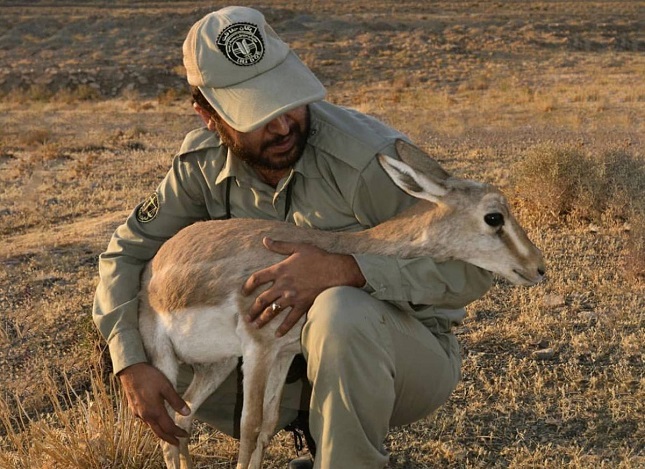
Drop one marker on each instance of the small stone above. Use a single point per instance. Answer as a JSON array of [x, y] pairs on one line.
[[588, 315], [544, 354], [543, 344], [553, 300]]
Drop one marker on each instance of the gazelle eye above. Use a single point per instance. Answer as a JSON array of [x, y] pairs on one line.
[[494, 219]]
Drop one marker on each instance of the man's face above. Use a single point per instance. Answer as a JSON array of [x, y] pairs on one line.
[[275, 146]]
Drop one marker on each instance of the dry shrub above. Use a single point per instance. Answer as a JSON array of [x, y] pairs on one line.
[[37, 93], [76, 94], [86, 93], [625, 177], [549, 178], [50, 151], [574, 184], [171, 95], [36, 136]]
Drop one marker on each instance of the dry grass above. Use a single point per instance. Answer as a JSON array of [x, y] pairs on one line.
[[544, 99], [81, 430]]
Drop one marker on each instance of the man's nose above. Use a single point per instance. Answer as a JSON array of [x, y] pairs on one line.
[[279, 125]]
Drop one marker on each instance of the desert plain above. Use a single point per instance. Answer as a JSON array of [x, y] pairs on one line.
[[93, 106]]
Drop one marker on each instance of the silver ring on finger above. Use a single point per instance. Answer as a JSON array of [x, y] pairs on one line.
[[275, 307]]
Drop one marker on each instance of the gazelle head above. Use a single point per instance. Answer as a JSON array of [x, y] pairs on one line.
[[475, 225]]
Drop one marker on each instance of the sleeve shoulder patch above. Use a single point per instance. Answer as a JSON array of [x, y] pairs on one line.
[[148, 209]]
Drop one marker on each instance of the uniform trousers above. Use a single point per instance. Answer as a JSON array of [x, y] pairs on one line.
[[370, 367]]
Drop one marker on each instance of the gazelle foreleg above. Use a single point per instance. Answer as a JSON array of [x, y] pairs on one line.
[[206, 379]]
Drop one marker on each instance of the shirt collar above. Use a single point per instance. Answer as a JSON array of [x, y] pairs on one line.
[[232, 167]]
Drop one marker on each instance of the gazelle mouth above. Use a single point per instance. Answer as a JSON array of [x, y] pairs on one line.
[[524, 277]]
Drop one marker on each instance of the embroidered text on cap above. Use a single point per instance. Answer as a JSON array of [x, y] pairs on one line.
[[242, 44]]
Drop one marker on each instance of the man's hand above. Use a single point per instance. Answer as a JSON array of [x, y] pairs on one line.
[[298, 280], [147, 390]]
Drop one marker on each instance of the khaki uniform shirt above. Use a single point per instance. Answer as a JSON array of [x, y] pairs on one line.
[[338, 185]]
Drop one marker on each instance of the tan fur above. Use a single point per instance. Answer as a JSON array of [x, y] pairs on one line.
[[191, 302]]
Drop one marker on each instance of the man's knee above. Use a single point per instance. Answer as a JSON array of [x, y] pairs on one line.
[[339, 308], [341, 315]]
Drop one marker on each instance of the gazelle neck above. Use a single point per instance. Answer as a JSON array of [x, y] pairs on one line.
[[417, 231]]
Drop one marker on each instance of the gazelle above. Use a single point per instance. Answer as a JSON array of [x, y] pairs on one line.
[[192, 309]]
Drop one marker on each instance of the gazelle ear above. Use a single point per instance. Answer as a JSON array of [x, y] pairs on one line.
[[423, 163], [411, 181]]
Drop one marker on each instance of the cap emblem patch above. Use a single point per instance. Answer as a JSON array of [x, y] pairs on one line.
[[242, 44], [148, 210]]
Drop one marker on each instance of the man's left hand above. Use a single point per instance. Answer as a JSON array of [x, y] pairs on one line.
[[297, 281]]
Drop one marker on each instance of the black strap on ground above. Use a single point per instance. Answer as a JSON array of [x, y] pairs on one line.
[[239, 400], [301, 434]]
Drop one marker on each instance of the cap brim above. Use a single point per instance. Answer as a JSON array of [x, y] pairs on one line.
[[252, 103]]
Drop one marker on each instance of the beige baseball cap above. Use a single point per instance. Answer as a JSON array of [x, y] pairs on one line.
[[244, 70]]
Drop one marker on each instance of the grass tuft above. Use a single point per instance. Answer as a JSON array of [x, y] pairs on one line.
[[635, 258], [88, 429]]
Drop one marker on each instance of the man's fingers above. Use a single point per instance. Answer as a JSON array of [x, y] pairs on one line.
[[261, 276], [268, 314], [256, 279], [279, 247], [147, 391], [269, 274], [165, 428], [262, 305], [168, 432], [291, 320], [174, 399], [163, 435]]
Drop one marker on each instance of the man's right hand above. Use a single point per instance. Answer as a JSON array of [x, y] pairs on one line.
[[147, 391]]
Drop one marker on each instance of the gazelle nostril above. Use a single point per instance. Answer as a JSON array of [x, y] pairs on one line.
[[541, 270]]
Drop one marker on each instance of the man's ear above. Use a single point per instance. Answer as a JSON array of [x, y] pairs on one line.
[[206, 117]]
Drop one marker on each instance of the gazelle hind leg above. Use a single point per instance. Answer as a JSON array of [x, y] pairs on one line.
[[271, 409], [256, 365]]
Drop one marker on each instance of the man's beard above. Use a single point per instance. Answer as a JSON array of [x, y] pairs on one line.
[[260, 161]]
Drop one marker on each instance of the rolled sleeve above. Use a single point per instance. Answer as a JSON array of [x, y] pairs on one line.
[[421, 281], [126, 349]]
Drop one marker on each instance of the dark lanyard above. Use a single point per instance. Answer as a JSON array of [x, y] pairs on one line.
[[287, 204]]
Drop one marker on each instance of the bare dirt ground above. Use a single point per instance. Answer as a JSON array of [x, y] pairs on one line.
[[93, 106]]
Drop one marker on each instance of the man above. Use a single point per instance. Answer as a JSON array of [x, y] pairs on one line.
[[377, 339]]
